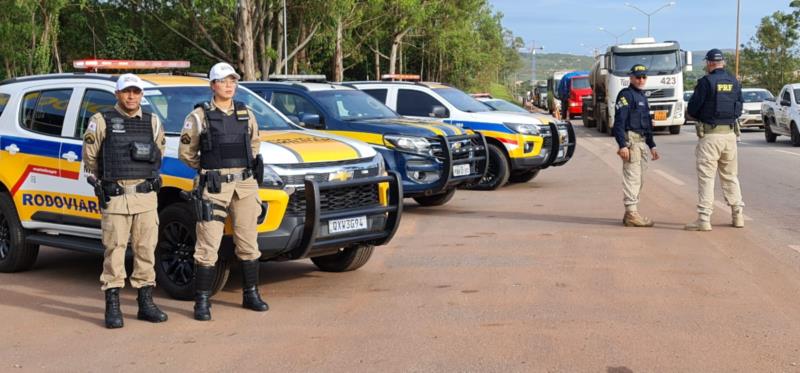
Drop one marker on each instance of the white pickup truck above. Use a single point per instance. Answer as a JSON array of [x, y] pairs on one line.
[[782, 116]]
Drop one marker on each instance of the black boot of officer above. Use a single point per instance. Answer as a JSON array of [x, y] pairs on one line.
[[113, 313], [204, 279], [251, 299], [147, 309]]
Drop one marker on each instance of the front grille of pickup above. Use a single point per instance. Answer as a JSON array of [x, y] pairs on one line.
[[336, 199]]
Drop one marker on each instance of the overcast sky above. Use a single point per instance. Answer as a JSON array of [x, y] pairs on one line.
[[562, 26]]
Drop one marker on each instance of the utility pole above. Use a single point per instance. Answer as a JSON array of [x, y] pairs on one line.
[[669, 4], [738, 10], [285, 37]]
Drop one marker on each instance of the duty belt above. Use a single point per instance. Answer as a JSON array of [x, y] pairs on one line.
[[718, 129], [113, 189], [239, 176]]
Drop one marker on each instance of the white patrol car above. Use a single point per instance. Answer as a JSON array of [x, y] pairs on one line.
[[519, 145], [324, 197]]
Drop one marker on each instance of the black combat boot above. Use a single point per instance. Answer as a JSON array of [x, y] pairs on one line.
[[203, 280], [251, 299], [113, 313], [147, 309]]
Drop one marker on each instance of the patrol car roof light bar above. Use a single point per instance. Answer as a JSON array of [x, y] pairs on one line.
[[299, 77], [400, 77], [101, 64]]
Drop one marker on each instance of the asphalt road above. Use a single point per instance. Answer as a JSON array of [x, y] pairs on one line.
[[536, 277]]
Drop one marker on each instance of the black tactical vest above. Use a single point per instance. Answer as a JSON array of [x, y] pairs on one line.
[[721, 105], [225, 143], [128, 151]]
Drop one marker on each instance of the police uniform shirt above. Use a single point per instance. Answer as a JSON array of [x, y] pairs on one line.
[[632, 113], [189, 149], [92, 140], [702, 105]]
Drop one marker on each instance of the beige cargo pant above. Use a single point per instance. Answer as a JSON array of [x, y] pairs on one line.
[[717, 152], [240, 200], [142, 230], [633, 170]]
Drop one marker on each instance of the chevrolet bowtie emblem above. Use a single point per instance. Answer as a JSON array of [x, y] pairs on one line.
[[340, 176], [456, 146]]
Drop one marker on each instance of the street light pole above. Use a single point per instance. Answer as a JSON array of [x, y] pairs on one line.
[[533, 59], [617, 36], [669, 4], [738, 10]]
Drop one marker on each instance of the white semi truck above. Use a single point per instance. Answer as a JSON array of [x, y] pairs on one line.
[[666, 63]]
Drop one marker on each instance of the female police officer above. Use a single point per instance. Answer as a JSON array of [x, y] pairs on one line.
[[220, 139]]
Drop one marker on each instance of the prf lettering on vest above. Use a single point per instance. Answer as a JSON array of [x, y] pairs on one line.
[[724, 87]]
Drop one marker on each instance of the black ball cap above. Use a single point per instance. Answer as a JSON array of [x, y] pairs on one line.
[[639, 70], [715, 55]]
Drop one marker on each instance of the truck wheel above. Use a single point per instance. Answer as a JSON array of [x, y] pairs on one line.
[[603, 126], [674, 130], [768, 134], [436, 199], [795, 135], [589, 123], [175, 253], [349, 259], [15, 254], [523, 176], [498, 172]]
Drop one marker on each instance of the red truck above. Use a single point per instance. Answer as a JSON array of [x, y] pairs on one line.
[[573, 88]]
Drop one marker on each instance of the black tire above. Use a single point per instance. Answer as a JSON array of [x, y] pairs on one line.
[[498, 172], [436, 199], [674, 130], [603, 126], [768, 134], [349, 259], [175, 253], [589, 123], [795, 135], [15, 253], [523, 176]]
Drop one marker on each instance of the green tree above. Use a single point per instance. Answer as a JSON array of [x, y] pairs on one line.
[[770, 58]]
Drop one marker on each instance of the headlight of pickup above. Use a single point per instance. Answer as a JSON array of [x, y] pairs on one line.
[[271, 179], [523, 128], [409, 143]]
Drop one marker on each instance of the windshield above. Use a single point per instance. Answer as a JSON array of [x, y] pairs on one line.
[[352, 105], [503, 105], [661, 63], [173, 105], [579, 83], [757, 96], [687, 95], [461, 100]]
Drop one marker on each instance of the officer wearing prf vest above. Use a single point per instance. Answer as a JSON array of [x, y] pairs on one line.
[[122, 149], [716, 104], [633, 130], [220, 139]]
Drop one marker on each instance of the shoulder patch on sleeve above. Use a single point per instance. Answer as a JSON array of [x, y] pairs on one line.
[[88, 138], [187, 125], [186, 139], [622, 102], [92, 126]]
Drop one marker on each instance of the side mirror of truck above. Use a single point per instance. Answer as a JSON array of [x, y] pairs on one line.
[[687, 60], [438, 111], [786, 103]]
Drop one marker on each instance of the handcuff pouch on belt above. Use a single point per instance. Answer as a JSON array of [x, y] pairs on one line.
[[212, 181]]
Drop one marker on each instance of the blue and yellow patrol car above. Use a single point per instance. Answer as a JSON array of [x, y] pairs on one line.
[[324, 197]]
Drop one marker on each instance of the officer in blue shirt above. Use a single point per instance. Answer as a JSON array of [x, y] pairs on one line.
[[716, 104], [633, 130]]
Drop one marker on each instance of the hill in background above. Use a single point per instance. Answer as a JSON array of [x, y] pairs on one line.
[[548, 63]]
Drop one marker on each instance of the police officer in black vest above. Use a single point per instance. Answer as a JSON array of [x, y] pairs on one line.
[[633, 130], [122, 149], [716, 104], [220, 139]]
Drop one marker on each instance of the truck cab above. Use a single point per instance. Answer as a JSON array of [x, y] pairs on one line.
[[782, 115]]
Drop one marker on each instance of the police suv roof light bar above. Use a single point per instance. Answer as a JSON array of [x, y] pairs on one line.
[[299, 77], [400, 77], [100, 64]]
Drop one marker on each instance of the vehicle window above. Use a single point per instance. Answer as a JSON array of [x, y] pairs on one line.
[[756, 96], [378, 94], [44, 111], [578, 83], [352, 105], [292, 104], [3, 102], [415, 103], [94, 101], [687, 95], [173, 105], [658, 63], [461, 100], [503, 105], [796, 96], [786, 96]]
